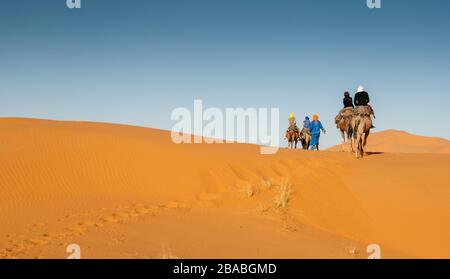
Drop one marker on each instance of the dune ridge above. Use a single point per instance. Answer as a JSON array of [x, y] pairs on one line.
[[128, 192], [396, 141]]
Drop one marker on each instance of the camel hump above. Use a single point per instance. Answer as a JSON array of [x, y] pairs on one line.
[[348, 110]]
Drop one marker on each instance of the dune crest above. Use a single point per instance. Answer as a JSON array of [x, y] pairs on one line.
[[396, 141]]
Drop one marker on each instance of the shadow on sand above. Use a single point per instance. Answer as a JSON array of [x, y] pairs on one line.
[[374, 153]]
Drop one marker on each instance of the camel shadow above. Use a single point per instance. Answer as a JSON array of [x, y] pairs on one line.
[[374, 153]]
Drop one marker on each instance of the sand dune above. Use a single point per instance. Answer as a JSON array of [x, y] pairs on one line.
[[128, 192], [403, 142]]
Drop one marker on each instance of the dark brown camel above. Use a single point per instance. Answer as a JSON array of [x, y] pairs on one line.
[[292, 137]]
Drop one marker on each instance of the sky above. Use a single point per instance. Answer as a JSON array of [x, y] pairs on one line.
[[133, 62]]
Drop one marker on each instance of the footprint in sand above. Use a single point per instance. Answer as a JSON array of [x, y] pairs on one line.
[[77, 230], [110, 219], [20, 245]]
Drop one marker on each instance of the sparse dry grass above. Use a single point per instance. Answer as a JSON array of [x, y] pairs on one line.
[[283, 195], [266, 183]]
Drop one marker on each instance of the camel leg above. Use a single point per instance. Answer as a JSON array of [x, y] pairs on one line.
[[343, 140], [363, 149], [355, 138], [361, 145], [358, 146], [303, 142], [352, 142], [366, 135]]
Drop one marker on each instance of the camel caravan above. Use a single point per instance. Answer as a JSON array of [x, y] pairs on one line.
[[308, 135], [354, 121], [294, 135]]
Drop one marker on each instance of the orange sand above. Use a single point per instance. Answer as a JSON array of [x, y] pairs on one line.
[[403, 142], [128, 192]]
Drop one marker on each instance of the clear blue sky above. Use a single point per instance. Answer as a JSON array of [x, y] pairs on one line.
[[134, 61]]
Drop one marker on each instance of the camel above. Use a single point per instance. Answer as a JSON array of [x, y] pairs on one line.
[[292, 137], [361, 123], [344, 124], [305, 138]]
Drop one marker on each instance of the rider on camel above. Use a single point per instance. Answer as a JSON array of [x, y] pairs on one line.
[[292, 124], [362, 101], [348, 108], [306, 125], [348, 101]]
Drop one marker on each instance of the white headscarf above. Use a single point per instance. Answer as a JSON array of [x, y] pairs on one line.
[[360, 89]]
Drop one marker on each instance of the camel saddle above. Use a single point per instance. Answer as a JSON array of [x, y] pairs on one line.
[[305, 131], [293, 128], [363, 111], [345, 112]]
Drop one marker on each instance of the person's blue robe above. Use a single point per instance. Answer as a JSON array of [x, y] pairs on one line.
[[315, 128]]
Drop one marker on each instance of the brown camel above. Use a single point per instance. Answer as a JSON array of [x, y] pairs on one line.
[[305, 138], [292, 137], [344, 124], [362, 122]]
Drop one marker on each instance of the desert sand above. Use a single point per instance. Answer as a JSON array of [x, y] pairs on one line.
[[128, 192], [395, 141]]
